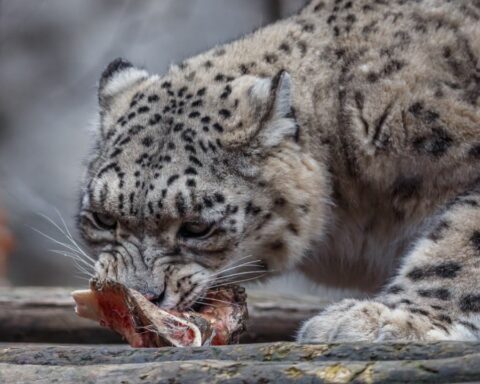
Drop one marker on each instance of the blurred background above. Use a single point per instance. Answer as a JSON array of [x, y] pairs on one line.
[[51, 55]]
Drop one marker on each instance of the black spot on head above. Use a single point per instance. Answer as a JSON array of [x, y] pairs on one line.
[[419, 311], [208, 202], [447, 270], [270, 58], [182, 91], [219, 77], [470, 303], [166, 85], [225, 113], [205, 119], [201, 91], [195, 161], [147, 141], [178, 127], [284, 47], [302, 46], [437, 293], [308, 28], [152, 98], [475, 240], [438, 231], [115, 153], [444, 318], [394, 289], [190, 148], [243, 69], [226, 92], [251, 208], [218, 127], [191, 183], [197, 103], [191, 171], [194, 114], [154, 119], [172, 179], [219, 198], [180, 204]]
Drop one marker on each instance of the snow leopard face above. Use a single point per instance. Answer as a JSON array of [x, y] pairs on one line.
[[177, 198]]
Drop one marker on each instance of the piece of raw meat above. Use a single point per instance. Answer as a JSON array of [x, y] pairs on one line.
[[143, 324]]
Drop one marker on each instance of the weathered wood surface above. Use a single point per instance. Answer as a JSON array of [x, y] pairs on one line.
[[34, 314], [46, 315], [446, 362]]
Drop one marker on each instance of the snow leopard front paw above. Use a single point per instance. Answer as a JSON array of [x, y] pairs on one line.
[[373, 321]]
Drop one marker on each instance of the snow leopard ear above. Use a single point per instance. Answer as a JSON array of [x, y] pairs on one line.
[[119, 75], [274, 98]]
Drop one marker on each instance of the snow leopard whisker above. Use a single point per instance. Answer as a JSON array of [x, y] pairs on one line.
[[73, 256], [82, 277], [237, 281], [75, 260], [253, 263], [239, 274], [71, 237], [220, 301], [216, 279], [208, 304], [233, 262], [58, 242], [67, 234]]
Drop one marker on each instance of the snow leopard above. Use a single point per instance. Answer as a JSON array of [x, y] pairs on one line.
[[343, 141]]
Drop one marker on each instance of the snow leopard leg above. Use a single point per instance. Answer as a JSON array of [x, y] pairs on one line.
[[435, 295]]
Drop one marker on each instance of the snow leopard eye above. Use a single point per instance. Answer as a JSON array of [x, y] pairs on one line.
[[195, 230], [104, 221]]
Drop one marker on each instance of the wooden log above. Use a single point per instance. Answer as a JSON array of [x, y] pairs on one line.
[[280, 362], [33, 314], [45, 354]]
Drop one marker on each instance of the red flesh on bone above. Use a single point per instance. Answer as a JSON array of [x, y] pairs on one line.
[[143, 324]]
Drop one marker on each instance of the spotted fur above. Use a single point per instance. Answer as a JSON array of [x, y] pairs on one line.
[[343, 141]]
